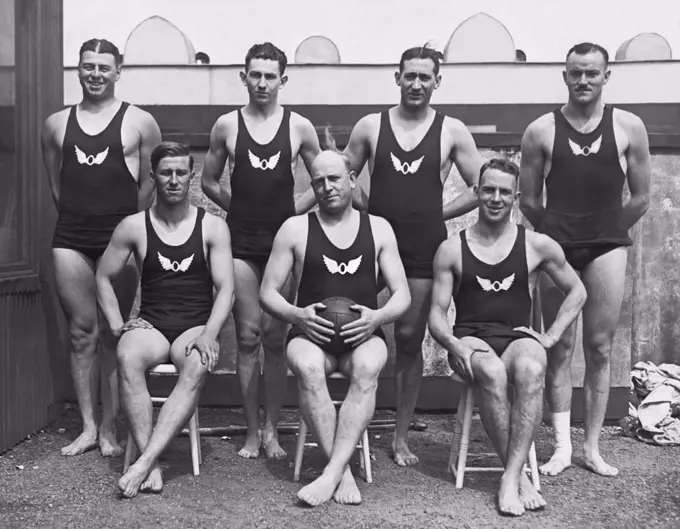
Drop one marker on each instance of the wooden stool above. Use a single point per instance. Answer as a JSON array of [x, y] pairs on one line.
[[194, 436], [362, 447], [461, 440]]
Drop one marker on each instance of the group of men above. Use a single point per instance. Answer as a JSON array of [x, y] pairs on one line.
[[274, 261]]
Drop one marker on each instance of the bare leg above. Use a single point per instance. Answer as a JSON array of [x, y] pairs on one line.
[[604, 280], [138, 351], [409, 332], [74, 275], [558, 380], [366, 362], [174, 414], [275, 373], [248, 320], [126, 288]]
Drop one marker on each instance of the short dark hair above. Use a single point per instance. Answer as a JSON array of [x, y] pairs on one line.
[[588, 47], [267, 51], [500, 164], [422, 52], [170, 149], [101, 46]]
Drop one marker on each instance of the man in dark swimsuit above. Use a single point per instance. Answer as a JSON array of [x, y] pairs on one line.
[[182, 252], [411, 150], [97, 158], [314, 248], [585, 152], [491, 269], [262, 142]]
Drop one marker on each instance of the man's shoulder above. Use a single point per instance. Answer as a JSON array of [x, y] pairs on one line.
[[133, 226], [542, 125], [139, 116], [629, 121], [544, 245], [368, 124], [214, 224], [57, 119], [379, 225], [293, 227]]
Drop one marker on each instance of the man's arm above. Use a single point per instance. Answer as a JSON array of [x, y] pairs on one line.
[[213, 166], [639, 172], [468, 161], [566, 279], [532, 165], [358, 151], [222, 273], [277, 271], [52, 155], [150, 137], [114, 259], [393, 273], [309, 150]]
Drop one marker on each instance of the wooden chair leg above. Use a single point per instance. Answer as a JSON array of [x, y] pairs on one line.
[[198, 430], [465, 438], [457, 433], [366, 457], [300, 449], [194, 440]]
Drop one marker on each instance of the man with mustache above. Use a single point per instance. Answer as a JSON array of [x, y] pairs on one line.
[[584, 152]]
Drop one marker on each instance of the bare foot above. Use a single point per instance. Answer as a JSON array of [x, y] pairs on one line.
[[595, 463], [108, 445], [529, 496], [85, 442], [131, 481], [347, 492], [251, 448], [272, 448], [560, 461], [319, 491], [402, 455], [509, 501], [153, 482]]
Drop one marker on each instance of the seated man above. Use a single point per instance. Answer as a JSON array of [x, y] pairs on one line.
[[182, 252], [305, 245], [491, 269]]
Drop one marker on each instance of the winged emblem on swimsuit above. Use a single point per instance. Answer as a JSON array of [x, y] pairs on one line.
[[91, 159], [342, 268], [496, 286], [175, 266], [593, 148], [405, 167], [264, 164]]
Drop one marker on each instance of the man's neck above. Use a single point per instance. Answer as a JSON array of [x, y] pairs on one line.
[[97, 105], [583, 111], [492, 232], [413, 114], [172, 214], [332, 218], [262, 112]]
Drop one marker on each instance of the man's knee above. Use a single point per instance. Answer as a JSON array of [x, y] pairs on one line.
[[130, 363], [489, 371], [273, 338], [249, 337], [529, 371], [309, 370], [409, 337], [368, 362], [84, 334], [193, 371], [598, 346]]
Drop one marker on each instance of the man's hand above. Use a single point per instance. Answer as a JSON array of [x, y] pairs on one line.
[[208, 349], [547, 341], [317, 329], [460, 359], [358, 331], [134, 323]]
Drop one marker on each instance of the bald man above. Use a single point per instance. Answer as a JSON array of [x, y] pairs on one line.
[[364, 244]]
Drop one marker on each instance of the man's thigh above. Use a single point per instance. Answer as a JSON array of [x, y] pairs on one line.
[[142, 349], [369, 358], [305, 357], [178, 350], [605, 282], [247, 311], [74, 277]]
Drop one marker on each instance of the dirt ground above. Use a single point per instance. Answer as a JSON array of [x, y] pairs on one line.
[[53, 491]]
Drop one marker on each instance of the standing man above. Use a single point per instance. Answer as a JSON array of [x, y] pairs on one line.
[[182, 252], [410, 149], [306, 245], [585, 151], [262, 142], [97, 158], [490, 269]]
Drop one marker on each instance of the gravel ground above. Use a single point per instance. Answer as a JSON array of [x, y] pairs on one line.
[[53, 491]]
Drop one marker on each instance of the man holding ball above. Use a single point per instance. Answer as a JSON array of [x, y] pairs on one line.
[[335, 253]]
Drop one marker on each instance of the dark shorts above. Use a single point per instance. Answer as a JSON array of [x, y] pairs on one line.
[[172, 330], [252, 240], [87, 234], [498, 337], [418, 242], [297, 332], [581, 256]]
